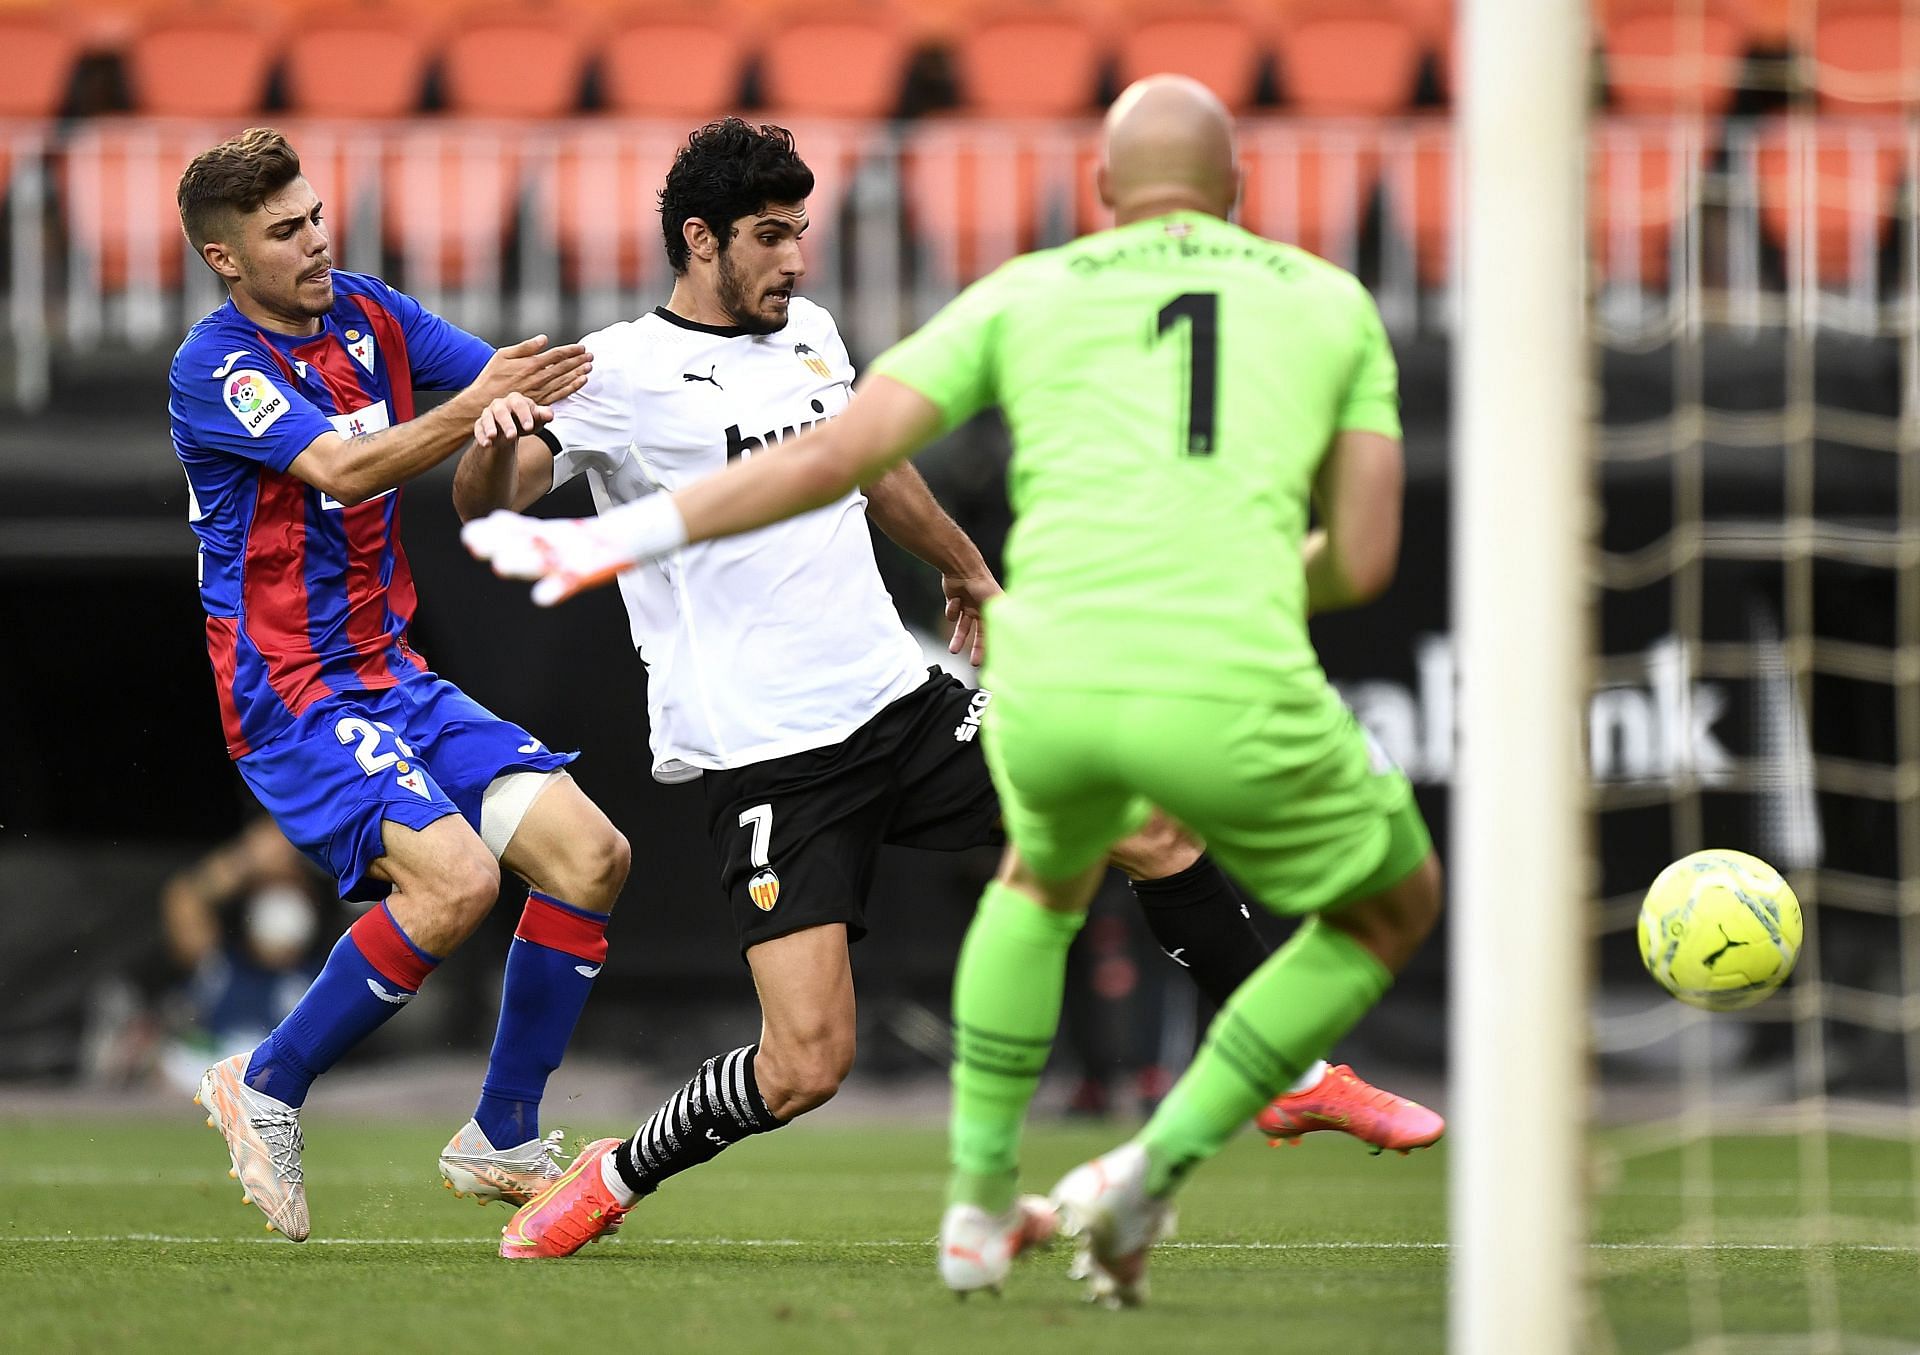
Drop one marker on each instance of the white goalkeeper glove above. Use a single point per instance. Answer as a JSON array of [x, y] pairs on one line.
[[571, 555]]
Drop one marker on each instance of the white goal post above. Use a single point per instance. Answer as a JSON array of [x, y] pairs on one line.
[[1519, 850]]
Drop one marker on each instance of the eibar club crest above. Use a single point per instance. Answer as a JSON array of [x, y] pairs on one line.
[[815, 363], [764, 890], [410, 779], [361, 346]]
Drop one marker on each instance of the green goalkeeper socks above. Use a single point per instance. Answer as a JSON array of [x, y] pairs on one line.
[[1307, 995], [1006, 1008]]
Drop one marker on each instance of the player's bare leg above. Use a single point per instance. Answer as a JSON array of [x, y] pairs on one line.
[[1391, 925], [444, 881], [805, 981], [1305, 997], [1007, 991], [1204, 926], [575, 861], [566, 845]]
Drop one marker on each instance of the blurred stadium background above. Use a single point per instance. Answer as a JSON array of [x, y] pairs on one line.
[[1754, 271]]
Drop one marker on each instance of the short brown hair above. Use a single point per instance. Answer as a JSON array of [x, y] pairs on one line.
[[234, 177]]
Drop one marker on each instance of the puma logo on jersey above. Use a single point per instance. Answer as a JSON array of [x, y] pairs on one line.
[[709, 378], [738, 446]]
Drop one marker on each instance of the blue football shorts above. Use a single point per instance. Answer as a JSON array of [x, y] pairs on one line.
[[411, 755]]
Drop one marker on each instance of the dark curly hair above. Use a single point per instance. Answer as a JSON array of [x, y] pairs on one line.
[[232, 179], [728, 169]]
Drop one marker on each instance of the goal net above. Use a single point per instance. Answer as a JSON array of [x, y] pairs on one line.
[[1755, 1176]]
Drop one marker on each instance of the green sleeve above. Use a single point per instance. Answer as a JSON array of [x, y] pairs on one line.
[[1372, 403], [950, 359]]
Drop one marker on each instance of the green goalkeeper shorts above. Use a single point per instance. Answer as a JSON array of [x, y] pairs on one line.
[[1293, 799]]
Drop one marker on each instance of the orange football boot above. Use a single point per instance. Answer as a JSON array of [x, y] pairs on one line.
[[1343, 1102], [575, 1210]]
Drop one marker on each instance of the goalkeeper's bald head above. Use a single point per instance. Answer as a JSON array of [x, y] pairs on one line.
[[1168, 147]]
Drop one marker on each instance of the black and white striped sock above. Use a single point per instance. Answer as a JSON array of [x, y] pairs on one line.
[[717, 1108]]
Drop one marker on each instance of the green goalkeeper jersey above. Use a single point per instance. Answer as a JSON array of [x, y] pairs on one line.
[[1171, 387]]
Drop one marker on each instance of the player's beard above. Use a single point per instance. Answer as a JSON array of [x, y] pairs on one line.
[[731, 292], [314, 303], [301, 298]]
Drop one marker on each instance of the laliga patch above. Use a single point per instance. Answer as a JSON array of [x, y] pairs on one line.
[[360, 346], [764, 890], [255, 401]]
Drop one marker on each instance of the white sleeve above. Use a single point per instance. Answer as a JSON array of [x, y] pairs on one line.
[[592, 429], [837, 355]]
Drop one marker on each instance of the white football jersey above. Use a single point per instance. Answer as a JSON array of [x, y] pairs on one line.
[[759, 645]]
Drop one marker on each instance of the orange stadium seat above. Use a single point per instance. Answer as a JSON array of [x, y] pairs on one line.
[[109, 25], [1642, 181], [435, 18], [355, 63], [1768, 24], [201, 64], [1433, 20], [597, 199], [117, 181], [1638, 190], [1673, 56], [343, 162], [449, 193], [41, 49], [1037, 64], [835, 62], [1853, 167], [683, 63], [1308, 186], [834, 150], [1446, 63], [1417, 170], [978, 192], [1866, 56], [521, 63], [1351, 60], [1221, 48]]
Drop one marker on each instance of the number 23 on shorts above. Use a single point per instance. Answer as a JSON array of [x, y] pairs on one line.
[[365, 735]]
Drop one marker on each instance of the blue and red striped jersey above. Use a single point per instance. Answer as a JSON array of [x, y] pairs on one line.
[[304, 596]]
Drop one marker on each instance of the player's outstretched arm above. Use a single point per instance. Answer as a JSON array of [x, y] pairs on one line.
[[886, 422], [505, 467], [901, 505], [1351, 559], [353, 470]]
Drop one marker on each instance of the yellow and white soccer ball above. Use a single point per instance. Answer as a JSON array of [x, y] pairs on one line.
[[1720, 930]]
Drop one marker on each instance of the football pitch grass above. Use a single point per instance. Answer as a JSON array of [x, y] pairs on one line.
[[127, 1236]]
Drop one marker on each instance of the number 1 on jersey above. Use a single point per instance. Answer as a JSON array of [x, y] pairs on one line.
[[1201, 311]]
